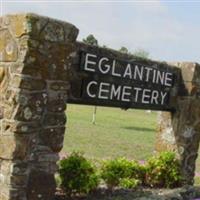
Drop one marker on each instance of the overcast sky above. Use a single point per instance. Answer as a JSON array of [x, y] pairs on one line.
[[168, 30]]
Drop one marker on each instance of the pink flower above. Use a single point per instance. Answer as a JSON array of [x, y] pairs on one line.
[[63, 155], [198, 175], [142, 162]]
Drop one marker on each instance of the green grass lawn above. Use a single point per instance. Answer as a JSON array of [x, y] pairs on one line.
[[116, 133]]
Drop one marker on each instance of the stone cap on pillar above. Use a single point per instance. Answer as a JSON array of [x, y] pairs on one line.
[[40, 26], [14, 27], [190, 78]]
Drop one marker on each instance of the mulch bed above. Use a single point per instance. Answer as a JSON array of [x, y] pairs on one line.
[[185, 193]]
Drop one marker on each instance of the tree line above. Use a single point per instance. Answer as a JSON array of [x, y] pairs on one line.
[[141, 53]]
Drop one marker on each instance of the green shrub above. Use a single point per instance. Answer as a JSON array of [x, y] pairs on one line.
[[129, 183], [163, 170], [77, 174], [139, 172], [112, 171]]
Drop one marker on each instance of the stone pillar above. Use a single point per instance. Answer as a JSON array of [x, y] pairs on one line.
[[35, 57], [180, 131]]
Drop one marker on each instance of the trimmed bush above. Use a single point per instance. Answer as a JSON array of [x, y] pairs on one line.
[[77, 174], [163, 170], [113, 171]]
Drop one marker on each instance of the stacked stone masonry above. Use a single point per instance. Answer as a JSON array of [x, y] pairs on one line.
[[34, 71], [180, 131]]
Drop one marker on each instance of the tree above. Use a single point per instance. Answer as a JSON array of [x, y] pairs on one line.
[[123, 50], [91, 40], [141, 53], [105, 46]]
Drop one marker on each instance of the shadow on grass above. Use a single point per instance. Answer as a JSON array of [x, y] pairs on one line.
[[138, 128]]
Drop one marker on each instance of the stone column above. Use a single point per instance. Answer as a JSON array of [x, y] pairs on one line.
[[35, 57], [180, 131]]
